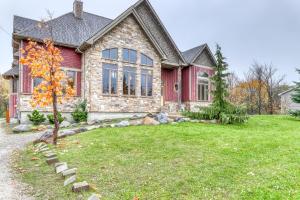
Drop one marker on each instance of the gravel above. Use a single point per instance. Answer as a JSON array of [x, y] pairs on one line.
[[10, 188]]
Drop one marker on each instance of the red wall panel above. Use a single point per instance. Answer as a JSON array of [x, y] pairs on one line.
[[186, 84]]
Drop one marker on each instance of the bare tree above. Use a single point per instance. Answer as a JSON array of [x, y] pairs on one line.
[[232, 81], [272, 83], [257, 71]]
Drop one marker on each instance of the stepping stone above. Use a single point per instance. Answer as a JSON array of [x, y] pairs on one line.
[[69, 172], [39, 145], [44, 149], [50, 155], [80, 186], [52, 160], [59, 163], [70, 180], [61, 168], [94, 197]]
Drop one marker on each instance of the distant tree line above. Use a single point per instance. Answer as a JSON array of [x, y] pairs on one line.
[[4, 87], [258, 90]]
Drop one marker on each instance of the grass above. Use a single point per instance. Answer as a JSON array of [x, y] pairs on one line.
[[257, 160]]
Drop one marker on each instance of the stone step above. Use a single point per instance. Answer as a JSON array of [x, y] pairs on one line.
[[69, 172], [80, 186], [70, 180], [52, 160], [61, 168]]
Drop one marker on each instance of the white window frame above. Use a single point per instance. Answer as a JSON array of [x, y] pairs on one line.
[[200, 77]]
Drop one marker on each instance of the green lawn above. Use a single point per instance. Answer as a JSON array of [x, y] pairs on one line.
[[258, 160]]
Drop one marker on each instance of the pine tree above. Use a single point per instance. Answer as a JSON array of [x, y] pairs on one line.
[[296, 95], [219, 80]]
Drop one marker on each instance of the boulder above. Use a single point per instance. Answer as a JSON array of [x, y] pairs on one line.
[[41, 127], [66, 133], [136, 122], [122, 124], [65, 124], [22, 128], [61, 168], [81, 186], [69, 172], [150, 121], [162, 118]]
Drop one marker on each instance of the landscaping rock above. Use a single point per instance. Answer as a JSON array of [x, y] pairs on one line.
[[49, 127], [122, 124], [93, 122], [41, 127], [89, 128], [70, 180], [22, 128], [61, 168], [66, 133], [162, 118], [136, 122], [65, 124], [50, 155], [69, 172], [52, 160], [74, 125], [81, 186], [59, 163], [170, 120], [150, 121], [45, 137], [94, 197]]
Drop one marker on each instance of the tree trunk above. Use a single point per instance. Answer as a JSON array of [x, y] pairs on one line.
[[55, 116]]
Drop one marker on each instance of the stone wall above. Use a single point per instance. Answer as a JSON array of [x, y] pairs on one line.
[[194, 106], [128, 34]]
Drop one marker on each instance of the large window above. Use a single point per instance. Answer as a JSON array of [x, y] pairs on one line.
[[202, 87], [110, 78], [146, 82], [129, 80], [145, 60], [37, 81], [71, 79], [129, 55], [111, 54]]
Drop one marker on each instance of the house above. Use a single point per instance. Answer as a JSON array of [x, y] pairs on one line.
[[122, 67], [287, 103]]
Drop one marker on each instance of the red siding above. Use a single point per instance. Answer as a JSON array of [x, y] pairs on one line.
[[186, 84], [194, 72], [169, 78], [71, 60], [78, 83], [13, 105]]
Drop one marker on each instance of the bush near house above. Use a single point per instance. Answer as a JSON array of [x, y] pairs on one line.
[[59, 116], [36, 117], [80, 113]]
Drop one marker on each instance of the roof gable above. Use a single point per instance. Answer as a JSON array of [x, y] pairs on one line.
[[201, 55], [116, 22]]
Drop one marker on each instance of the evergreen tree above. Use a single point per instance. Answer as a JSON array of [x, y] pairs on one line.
[[296, 95], [220, 92]]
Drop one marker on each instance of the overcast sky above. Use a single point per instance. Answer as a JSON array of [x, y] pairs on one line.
[[262, 30]]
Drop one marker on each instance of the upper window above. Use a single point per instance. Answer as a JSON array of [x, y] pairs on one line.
[[129, 81], [111, 54], [145, 60], [37, 81], [109, 78], [146, 82], [202, 87], [129, 55]]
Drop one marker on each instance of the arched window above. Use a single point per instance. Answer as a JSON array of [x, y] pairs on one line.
[[129, 55], [146, 60], [202, 86], [111, 54]]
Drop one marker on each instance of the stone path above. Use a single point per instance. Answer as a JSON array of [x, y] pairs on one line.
[[10, 189]]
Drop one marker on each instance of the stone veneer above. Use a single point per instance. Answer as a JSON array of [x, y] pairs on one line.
[[127, 34], [194, 106]]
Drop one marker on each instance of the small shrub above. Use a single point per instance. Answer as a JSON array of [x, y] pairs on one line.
[[295, 113], [80, 114], [231, 115], [51, 118], [36, 117]]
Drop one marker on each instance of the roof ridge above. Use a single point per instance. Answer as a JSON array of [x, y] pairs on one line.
[[205, 44], [97, 15]]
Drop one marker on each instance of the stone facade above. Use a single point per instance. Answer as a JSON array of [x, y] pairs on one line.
[[128, 34], [194, 106]]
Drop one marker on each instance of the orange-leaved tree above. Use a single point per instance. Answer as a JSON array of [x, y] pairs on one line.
[[44, 61]]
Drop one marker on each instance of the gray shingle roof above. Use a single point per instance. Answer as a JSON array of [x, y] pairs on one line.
[[191, 54], [67, 29], [12, 72]]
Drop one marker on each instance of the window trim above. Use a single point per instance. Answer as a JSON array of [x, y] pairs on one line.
[[109, 49], [128, 61], [203, 78], [147, 74], [147, 57], [109, 80]]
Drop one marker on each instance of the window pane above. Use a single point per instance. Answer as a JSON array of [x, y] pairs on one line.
[[143, 59], [149, 85], [132, 56], [143, 85], [125, 83], [106, 81], [114, 54], [206, 92], [199, 91], [37, 81], [71, 79], [132, 83], [113, 82], [105, 53], [125, 54], [150, 62]]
